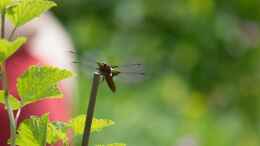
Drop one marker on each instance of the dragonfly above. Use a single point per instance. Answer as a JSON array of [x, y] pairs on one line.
[[130, 73], [108, 72]]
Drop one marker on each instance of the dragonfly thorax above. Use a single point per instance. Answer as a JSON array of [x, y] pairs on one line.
[[104, 69]]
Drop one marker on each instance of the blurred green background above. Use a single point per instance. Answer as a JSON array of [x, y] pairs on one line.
[[202, 60]]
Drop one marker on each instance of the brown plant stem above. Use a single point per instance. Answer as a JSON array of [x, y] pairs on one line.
[[91, 109]]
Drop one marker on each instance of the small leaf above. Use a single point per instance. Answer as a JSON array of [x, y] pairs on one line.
[[27, 10], [33, 131], [41, 82], [113, 144], [57, 131], [78, 124], [14, 103], [8, 48]]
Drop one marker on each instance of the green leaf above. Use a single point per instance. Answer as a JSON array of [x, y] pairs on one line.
[[78, 123], [27, 10], [8, 48], [41, 82], [57, 131], [33, 131], [4, 4], [113, 144], [15, 103]]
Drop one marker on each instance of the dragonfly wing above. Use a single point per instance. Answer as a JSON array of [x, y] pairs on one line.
[[88, 63], [130, 77], [130, 73], [131, 68]]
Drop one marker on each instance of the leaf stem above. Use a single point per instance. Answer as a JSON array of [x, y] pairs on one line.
[[17, 115], [12, 33], [5, 88], [91, 109]]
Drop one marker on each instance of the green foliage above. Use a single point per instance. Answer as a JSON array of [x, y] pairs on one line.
[[207, 47], [78, 123], [41, 82], [7, 48], [113, 144], [57, 131], [26, 10], [15, 103], [33, 131], [38, 131], [37, 83], [4, 4]]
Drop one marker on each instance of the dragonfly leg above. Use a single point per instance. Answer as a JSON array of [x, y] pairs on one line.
[[114, 66], [102, 79], [114, 73]]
